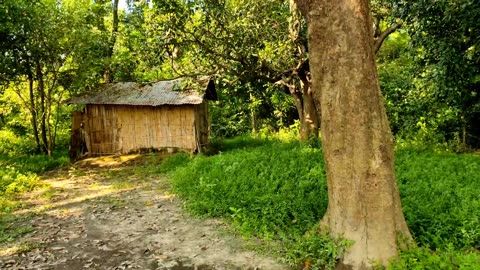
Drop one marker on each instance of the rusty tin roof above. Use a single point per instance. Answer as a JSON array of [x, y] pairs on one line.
[[173, 92]]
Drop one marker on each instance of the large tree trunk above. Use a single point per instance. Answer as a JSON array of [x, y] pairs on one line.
[[364, 202]]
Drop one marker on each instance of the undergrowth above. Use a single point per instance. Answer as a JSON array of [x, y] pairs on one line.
[[19, 168], [276, 190]]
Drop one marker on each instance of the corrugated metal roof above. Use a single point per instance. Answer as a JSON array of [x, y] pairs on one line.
[[173, 92]]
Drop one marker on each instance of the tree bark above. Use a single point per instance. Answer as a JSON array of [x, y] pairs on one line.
[[364, 202], [307, 111], [310, 123]]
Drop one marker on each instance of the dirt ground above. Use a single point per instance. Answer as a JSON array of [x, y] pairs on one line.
[[108, 214]]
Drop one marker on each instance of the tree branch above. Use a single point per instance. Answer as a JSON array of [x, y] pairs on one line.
[[381, 38]]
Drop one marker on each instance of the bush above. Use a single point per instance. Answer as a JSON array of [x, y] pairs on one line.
[[12, 181], [11, 144], [19, 168]]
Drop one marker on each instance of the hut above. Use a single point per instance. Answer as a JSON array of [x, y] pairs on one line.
[[128, 117]]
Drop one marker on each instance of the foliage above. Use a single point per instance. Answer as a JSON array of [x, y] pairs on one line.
[[43, 62], [270, 199], [269, 190], [444, 42], [244, 43], [14, 182], [242, 109], [315, 250]]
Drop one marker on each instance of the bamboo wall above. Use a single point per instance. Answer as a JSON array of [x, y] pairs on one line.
[[113, 129], [201, 125]]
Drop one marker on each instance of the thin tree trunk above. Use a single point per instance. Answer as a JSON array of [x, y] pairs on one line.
[[297, 98], [310, 125], [307, 111], [253, 121], [43, 112], [113, 39], [364, 202], [33, 111], [49, 127], [303, 99]]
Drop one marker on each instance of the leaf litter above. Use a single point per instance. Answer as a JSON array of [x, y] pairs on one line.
[[91, 225]]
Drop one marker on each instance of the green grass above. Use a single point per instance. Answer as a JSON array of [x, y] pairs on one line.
[[441, 198], [277, 191], [9, 228], [19, 173]]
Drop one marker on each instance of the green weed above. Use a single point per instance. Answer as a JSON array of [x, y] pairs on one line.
[[9, 228], [440, 198], [445, 259]]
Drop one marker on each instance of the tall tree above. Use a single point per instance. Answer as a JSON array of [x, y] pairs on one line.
[[43, 60], [364, 202]]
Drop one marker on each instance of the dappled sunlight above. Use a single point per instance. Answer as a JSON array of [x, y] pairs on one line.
[[108, 161], [60, 192], [8, 251], [71, 193], [166, 196], [74, 200]]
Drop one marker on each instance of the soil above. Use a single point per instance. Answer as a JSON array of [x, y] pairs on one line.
[[108, 214]]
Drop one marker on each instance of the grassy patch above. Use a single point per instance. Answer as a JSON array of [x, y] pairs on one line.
[[18, 173], [277, 190], [273, 190], [10, 228], [426, 259], [440, 197]]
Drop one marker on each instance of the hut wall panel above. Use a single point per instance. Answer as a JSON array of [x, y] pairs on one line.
[[124, 129], [201, 123]]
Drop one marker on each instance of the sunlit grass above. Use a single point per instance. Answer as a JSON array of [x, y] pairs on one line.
[[276, 189]]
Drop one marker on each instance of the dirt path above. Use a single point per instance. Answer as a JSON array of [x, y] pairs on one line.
[[120, 218]]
